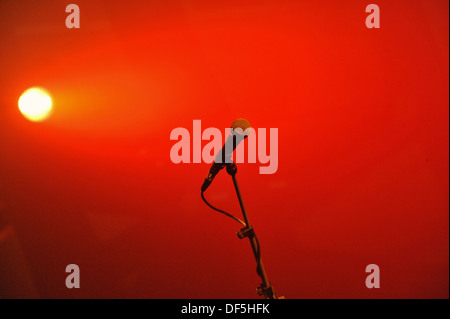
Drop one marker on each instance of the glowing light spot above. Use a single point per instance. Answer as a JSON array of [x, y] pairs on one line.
[[35, 104]]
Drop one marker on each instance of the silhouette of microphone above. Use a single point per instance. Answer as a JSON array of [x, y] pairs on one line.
[[237, 134]]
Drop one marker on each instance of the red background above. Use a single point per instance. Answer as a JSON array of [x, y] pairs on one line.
[[363, 172]]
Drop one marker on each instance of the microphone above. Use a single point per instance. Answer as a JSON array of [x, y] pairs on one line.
[[237, 135]]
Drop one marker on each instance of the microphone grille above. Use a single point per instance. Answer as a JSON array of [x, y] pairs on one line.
[[243, 124]]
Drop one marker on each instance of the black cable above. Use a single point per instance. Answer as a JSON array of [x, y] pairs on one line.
[[258, 249], [258, 257], [223, 212]]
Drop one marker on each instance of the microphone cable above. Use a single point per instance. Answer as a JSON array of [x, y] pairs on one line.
[[258, 252], [223, 212]]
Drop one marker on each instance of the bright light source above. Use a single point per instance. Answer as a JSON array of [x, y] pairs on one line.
[[35, 104]]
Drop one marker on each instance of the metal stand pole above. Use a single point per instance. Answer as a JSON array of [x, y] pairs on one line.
[[266, 288]]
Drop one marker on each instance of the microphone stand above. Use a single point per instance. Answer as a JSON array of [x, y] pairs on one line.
[[265, 288]]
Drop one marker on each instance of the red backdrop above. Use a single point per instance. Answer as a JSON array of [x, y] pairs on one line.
[[363, 174]]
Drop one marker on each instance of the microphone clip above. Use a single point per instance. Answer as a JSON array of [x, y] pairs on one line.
[[246, 232], [231, 168]]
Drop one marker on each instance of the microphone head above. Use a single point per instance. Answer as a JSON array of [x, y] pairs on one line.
[[238, 133], [240, 125]]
